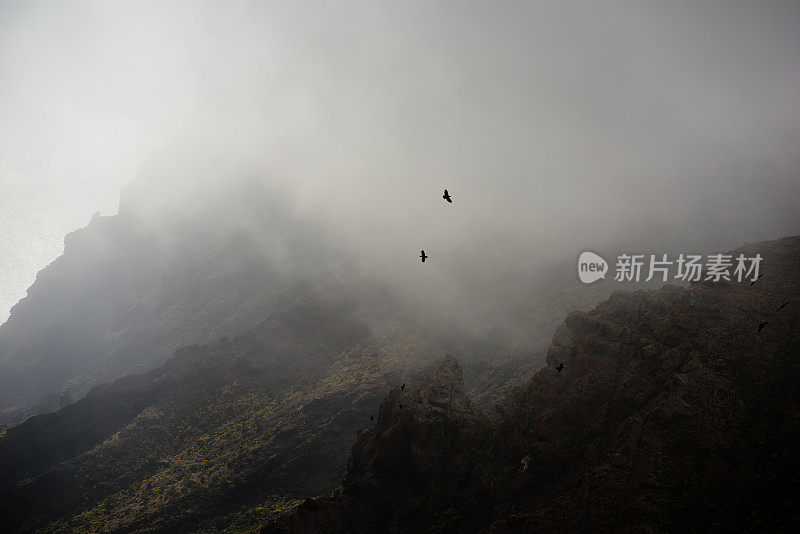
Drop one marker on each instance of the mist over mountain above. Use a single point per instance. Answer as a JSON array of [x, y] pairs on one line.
[[557, 128], [204, 248], [177, 266], [237, 430], [243, 336]]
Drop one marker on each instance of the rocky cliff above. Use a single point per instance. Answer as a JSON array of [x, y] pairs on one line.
[[675, 410]]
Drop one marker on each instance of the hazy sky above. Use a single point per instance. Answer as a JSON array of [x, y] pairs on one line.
[[554, 124]]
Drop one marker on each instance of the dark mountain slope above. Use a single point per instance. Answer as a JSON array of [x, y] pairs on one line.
[[671, 414], [205, 423], [246, 424]]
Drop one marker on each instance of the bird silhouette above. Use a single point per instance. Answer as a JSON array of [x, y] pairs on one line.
[[372, 417], [446, 196], [757, 279], [761, 326], [401, 406], [423, 256], [560, 367], [403, 387], [782, 306]]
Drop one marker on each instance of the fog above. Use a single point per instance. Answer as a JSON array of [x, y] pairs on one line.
[[654, 126]]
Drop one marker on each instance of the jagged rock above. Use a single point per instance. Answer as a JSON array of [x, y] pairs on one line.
[[429, 447], [408, 447]]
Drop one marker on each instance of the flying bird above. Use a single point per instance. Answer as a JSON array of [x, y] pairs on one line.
[[761, 326], [401, 406], [560, 367], [403, 387], [423, 256], [372, 417], [782, 306], [446, 196]]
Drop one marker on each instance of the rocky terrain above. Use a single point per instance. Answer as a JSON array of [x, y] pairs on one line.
[[194, 376], [672, 413], [230, 434]]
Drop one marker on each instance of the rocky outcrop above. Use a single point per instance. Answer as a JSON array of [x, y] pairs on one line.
[[415, 462]]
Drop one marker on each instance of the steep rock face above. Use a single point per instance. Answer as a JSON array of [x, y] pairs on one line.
[[676, 410], [672, 411]]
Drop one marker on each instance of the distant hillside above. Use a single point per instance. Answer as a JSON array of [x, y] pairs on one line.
[[172, 269], [672, 413]]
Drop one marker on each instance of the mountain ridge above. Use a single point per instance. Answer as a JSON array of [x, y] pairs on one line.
[[132, 288]]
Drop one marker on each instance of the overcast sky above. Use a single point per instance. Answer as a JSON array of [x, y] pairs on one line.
[[554, 124]]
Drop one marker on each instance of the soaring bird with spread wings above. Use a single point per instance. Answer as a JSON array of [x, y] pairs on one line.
[[446, 196], [423, 256]]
